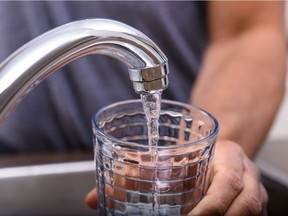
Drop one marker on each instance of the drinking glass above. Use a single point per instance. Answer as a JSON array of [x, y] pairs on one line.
[[135, 178]]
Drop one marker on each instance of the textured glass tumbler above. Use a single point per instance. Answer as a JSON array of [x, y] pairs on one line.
[[134, 178]]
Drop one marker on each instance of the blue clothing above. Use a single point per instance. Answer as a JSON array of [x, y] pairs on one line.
[[56, 115]]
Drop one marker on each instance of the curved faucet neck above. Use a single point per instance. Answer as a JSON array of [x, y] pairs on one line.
[[33, 62]]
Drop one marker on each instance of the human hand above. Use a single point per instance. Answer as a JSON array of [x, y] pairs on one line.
[[91, 199], [235, 189], [235, 185]]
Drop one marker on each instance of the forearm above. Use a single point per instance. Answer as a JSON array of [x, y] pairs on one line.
[[236, 85]]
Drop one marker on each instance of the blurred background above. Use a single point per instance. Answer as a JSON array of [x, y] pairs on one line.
[[45, 184], [272, 158], [273, 162], [56, 184]]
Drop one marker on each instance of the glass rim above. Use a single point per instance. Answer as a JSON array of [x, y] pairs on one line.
[[134, 144]]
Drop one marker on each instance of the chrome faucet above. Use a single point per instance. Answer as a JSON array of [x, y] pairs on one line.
[[33, 62]]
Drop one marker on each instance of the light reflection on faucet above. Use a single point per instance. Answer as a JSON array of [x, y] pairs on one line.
[[33, 62]]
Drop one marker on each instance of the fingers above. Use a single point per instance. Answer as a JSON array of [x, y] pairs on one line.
[[227, 182], [236, 188], [264, 199], [263, 194], [91, 199], [253, 197]]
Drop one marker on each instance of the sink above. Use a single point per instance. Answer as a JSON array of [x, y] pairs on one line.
[[43, 188]]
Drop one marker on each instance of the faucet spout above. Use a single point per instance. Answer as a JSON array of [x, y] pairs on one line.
[[34, 61]]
